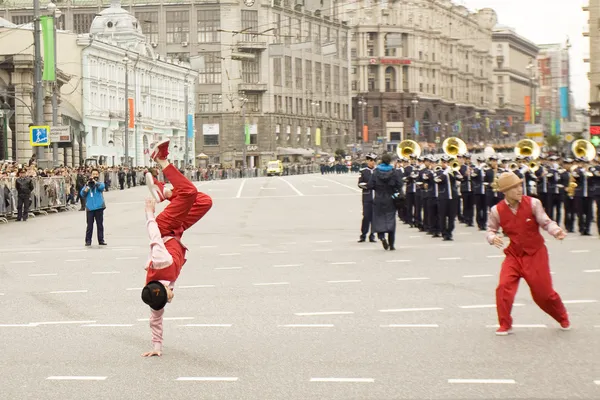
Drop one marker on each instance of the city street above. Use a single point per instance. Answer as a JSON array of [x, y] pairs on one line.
[[277, 300]]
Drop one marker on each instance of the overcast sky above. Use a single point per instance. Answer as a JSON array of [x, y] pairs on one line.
[[548, 21]]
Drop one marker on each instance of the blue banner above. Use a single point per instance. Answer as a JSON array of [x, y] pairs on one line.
[[416, 127], [190, 126], [564, 102]]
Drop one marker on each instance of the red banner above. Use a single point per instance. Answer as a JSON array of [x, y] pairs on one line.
[[594, 130], [527, 109], [131, 113], [365, 133]]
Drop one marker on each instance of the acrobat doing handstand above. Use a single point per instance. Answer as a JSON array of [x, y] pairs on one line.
[[167, 252]]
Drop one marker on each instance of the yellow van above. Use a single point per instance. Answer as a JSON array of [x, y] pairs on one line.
[[275, 168]]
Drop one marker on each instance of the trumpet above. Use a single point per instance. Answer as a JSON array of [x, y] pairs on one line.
[[513, 166], [407, 148]]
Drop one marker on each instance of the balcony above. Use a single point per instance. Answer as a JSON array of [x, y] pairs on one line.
[[252, 87], [246, 45]]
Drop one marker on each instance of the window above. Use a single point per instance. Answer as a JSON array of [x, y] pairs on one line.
[[372, 77], [395, 136], [318, 77], [328, 78], [211, 140], [149, 23], [336, 79], [393, 116], [343, 45], [277, 71], [209, 23], [81, 22], [253, 104], [203, 103], [217, 102], [178, 26], [25, 19], [250, 23], [211, 73], [250, 71], [179, 56], [345, 81], [94, 136], [288, 72], [375, 111], [298, 73], [308, 75]]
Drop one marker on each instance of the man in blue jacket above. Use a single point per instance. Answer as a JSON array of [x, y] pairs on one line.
[[94, 204]]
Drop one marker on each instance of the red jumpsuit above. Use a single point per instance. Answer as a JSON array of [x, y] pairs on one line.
[[526, 257]]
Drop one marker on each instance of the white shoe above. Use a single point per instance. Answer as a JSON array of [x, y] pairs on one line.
[[155, 190], [501, 332]]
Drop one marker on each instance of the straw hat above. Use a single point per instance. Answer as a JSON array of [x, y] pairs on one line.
[[507, 181]]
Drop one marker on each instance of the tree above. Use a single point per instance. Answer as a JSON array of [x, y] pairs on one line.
[[340, 153], [553, 141]]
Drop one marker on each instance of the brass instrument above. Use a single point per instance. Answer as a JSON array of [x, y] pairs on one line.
[[528, 148], [455, 165], [454, 146], [533, 166], [407, 148], [570, 190], [494, 184], [437, 168], [583, 149], [513, 166]]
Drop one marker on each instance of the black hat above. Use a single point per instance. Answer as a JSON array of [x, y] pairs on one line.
[[371, 156], [155, 295]]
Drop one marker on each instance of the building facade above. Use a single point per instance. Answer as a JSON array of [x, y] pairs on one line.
[[115, 52], [515, 73], [421, 70]]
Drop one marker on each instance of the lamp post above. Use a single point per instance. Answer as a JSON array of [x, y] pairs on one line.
[[6, 114], [56, 13], [126, 139], [244, 100], [414, 102]]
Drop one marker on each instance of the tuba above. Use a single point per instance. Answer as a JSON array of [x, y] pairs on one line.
[[528, 148], [570, 190], [454, 146], [407, 148], [583, 149]]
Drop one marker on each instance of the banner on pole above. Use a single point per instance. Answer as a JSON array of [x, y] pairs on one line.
[[246, 133], [365, 133], [131, 106], [190, 126], [318, 137], [564, 102], [47, 24], [527, 109]]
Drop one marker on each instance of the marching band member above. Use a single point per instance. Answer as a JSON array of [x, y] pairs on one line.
[[555, 189], [479, 197], [367, 199], [447, 197], [492, 174], [583, 199], [419, 195], [568, 198], [430, 197], [520, 218], [411, 187]]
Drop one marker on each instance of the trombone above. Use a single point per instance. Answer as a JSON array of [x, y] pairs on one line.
[[407, 148]]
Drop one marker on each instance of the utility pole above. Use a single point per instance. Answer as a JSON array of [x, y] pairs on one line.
[[38, 89], [187, 127], [244, 146], [56, 13], [126, 140]]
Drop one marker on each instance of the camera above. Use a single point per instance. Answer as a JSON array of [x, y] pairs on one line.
[[91, 183]]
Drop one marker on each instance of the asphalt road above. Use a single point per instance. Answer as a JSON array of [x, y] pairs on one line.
[[279, 301]]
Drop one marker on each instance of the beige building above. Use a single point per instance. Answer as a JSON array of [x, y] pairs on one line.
[[286, 62], [515, 73], [422, 61]]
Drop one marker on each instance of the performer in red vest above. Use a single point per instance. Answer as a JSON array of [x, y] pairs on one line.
[[167, 253], [520, 218]]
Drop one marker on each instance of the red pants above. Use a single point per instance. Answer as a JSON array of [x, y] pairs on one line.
[[536, 272], [187, 206]]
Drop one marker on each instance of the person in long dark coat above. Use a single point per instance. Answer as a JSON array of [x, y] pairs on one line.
[[387, 185]]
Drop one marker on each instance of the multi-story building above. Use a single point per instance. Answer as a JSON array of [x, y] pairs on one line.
[[115, 52], [554, 102], [515, 69], [421, 69], [282, 63]]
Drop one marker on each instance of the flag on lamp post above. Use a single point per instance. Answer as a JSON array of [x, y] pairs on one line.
[[247, 133], [47, 24]]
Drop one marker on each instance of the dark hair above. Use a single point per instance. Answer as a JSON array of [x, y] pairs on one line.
[[95, 169], [386, 158]]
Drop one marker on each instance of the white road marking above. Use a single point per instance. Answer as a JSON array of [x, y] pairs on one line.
[[398, 261], [465, 233], [22, 262], [415, 237], [239, 192], [105, 272], [267, 188], [251, 245], [127, 258], [226, 268], [62, 322], [29, 252], [229, 254], [322, 250], [307, 314], [411, 309], [106, 325], [75, 260], [343, 263], [133, 288], [319, 186], [344, 380], [119, 249], [277, 252], [168, 319], [53, 274], [205, 247], [341, 184], [195, 286], [591, 270], [346, 281], [17, 326], [208, 325], [208, 378], [488, 381], [520, 326], [77, 251], [323, 241], [76, 378], [299, 193], [579, 301], [488, 306], [477, 276], [1, 294], [496, 256], [597, 382], [286, 265], [410, 326], [412, 279], [579, 251], [306, 326], [67, 291], [449, 258], [271, 283]]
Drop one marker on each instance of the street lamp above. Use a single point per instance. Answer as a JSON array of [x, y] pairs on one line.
[[7, 112], [56, 13], [243, 99], [415, 102], [126, 62]]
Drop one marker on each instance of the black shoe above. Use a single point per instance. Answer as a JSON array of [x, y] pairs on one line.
[[586, 234], [372, 240], [88, 244], [362, 240], [448, 239], [392, 248], [385, 244], [18, 220], [437, 235], [102, 244]]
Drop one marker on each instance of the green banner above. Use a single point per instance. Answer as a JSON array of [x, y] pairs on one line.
[[47, 24], [247, 132]]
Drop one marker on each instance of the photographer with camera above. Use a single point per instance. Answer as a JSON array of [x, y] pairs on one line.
[[94, 204]]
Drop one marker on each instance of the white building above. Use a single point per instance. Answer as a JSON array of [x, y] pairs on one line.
[[157, 90]]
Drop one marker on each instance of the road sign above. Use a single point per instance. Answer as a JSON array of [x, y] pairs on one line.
[[569, 138], [595, 141], [39, 135], [60, 134]]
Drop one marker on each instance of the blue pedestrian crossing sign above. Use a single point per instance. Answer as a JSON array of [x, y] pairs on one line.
[[39, 135]]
